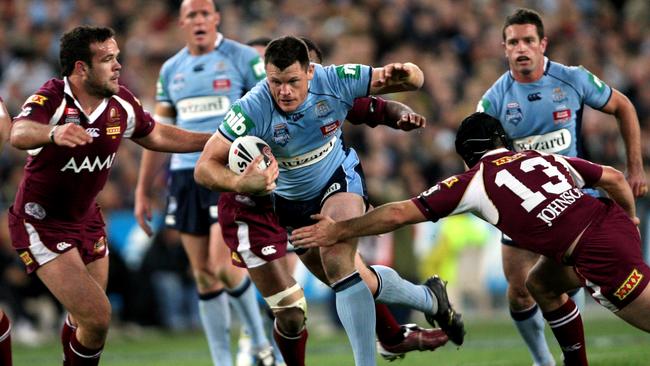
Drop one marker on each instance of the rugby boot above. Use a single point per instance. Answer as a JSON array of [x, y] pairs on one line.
[[446, 317], [415, 339]]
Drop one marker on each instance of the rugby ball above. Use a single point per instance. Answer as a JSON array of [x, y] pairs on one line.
[[244, 150]]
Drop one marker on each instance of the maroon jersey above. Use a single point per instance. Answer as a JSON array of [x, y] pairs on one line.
[[60, 182], [532, 197]]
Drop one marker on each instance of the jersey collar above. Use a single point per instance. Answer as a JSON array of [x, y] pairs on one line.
[[96, 113], [219, 40]]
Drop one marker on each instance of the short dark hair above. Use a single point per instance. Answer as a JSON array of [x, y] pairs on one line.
[[312, 47], [75, 45], [478, 134], [260, 41], [285, 51], [524, 16]]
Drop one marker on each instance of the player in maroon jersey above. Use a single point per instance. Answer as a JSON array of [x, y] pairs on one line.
[[72, 128], [5, 324], [584, 241]]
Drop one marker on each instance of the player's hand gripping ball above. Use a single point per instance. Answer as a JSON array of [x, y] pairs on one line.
[[245, 149]]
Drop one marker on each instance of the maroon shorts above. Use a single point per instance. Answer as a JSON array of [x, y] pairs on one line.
[[609, 259], [251, 229], [40, 241]]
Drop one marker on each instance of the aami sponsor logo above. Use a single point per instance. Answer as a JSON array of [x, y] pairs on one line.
[[87, 164], [551, 142], [202, 107], [629, 285]]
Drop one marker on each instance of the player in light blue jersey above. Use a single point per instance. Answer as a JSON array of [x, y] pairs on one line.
[[298, 111], [196, 88], [540, 104]]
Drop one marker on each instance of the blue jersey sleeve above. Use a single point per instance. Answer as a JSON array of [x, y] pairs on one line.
[[489, 103], [349, 81], [595, 92], [162, 85], [246, 116]]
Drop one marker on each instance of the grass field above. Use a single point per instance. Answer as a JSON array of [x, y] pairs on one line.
[[610, 342]]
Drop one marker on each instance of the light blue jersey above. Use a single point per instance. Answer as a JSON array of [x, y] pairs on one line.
[[546, 115], [306, 143], [202, 88]]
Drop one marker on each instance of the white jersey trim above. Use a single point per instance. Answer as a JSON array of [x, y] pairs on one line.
[[130, 116]]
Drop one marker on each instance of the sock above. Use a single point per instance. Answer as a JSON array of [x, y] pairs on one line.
[[530, 325], [566, 324], [5, 341], [244, 300], [356, 310], [66, 334], [395, 290], [578, 296], [81, 355], [214, 312], [269, 325], [389, 331], [292, 348]]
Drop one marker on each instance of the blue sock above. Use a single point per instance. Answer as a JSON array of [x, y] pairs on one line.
[[394, 290], [530, 324], [244, 300], [215, 318], [356, 309]]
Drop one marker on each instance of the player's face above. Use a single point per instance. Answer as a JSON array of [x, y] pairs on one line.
[[289, 87], [102, 77], [525, 51], [199, 21]]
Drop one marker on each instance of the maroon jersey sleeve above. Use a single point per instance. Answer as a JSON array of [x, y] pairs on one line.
[[41, 106], [444, 198], [144, 122], [589, 172], [368, 110]]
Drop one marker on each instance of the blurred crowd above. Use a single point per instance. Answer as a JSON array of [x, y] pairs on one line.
[[457, 43]]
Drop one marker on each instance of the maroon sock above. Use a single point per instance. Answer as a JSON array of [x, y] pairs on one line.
[[389, 331], [66, 333], [81, 355], [292, 348], [5, 341], [566, 324]]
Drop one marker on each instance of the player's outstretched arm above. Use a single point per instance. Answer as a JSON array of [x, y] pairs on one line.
[[374, 111], [382, 219], [613, 181], [628, 123], [402, 117], [396, 77], [168, 138], [27, 134]]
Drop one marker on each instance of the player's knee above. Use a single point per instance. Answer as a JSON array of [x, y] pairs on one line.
[[290, 309], [204, 277], [97, 321], [290, 321]]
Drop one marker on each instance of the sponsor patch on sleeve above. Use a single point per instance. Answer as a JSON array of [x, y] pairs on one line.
[[257, 65], [236, 122], [629, 284], [349, 71], [37, 98]]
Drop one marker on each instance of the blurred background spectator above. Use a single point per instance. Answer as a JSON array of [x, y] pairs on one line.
[[456, 42]]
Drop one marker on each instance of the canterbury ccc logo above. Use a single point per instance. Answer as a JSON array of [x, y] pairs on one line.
[[629, 285]]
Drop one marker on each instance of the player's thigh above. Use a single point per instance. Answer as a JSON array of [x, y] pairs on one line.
[[72, 284], [272, 277], [636, 312], [343, 206], [552, 278], [517, 263]]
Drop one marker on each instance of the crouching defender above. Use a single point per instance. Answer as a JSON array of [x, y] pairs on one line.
[[584, 241]]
